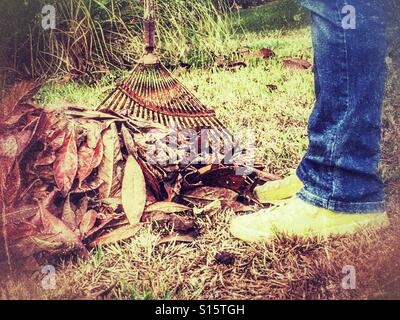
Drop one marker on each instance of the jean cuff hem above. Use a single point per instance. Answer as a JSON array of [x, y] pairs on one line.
[[339, 206]]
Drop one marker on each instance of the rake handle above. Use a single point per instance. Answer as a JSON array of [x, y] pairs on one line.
[[149, 26]]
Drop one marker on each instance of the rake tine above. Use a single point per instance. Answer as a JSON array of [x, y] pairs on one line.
[[106, 99]]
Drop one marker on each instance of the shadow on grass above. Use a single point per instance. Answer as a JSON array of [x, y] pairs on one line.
[[275, 15]]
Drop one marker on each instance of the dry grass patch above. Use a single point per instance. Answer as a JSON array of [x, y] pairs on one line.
[[287, 268]]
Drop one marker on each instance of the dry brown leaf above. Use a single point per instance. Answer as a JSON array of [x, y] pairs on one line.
[[265, 53], [85, 161], [128, 140], [13, 184], [88, 222], [56, 140], [6, 165], [176, 237], [18, 229], [167, 207], [155, 216], [25, 136], [81, 210], [271, 87], [88, 186], [116, 186], [210, 194], [68, 215], [94, 129], [18, 116], [52, 226], [18, 94], [66, 164], [224, 177], [89, 159], [210, 208], [117, 235], [46, 159], [151, 179], [133, 191], [112, 154], [180, 223], [98, 154], [8, 146], [112, 203], [236, 65], [103, 224], [21, 213], [297, 64]]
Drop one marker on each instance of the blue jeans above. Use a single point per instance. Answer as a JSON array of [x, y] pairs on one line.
[[340, 168]]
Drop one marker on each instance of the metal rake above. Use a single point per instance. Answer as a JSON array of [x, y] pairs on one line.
[[152, 93]]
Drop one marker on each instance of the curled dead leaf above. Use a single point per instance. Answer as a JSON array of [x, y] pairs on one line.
[[120, 234]]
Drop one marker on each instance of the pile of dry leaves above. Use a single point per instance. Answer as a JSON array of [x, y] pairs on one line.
[[77, 178]]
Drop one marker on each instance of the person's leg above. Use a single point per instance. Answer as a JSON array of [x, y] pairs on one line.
[[339, 170]]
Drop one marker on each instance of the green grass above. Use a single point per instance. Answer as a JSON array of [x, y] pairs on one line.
[[282, 16], [284, 269]]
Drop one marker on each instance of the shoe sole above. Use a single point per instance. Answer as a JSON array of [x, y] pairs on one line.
[[238, 230]]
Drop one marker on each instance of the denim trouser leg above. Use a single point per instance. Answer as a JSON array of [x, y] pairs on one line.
[[340, 168]]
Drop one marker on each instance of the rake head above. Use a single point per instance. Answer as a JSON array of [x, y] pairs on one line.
[[152, 93]]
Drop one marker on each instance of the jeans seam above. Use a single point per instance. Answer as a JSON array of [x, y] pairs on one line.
[[335, 138]]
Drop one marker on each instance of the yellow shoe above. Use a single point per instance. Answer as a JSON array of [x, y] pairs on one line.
[[298, 218], [278, 190]]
